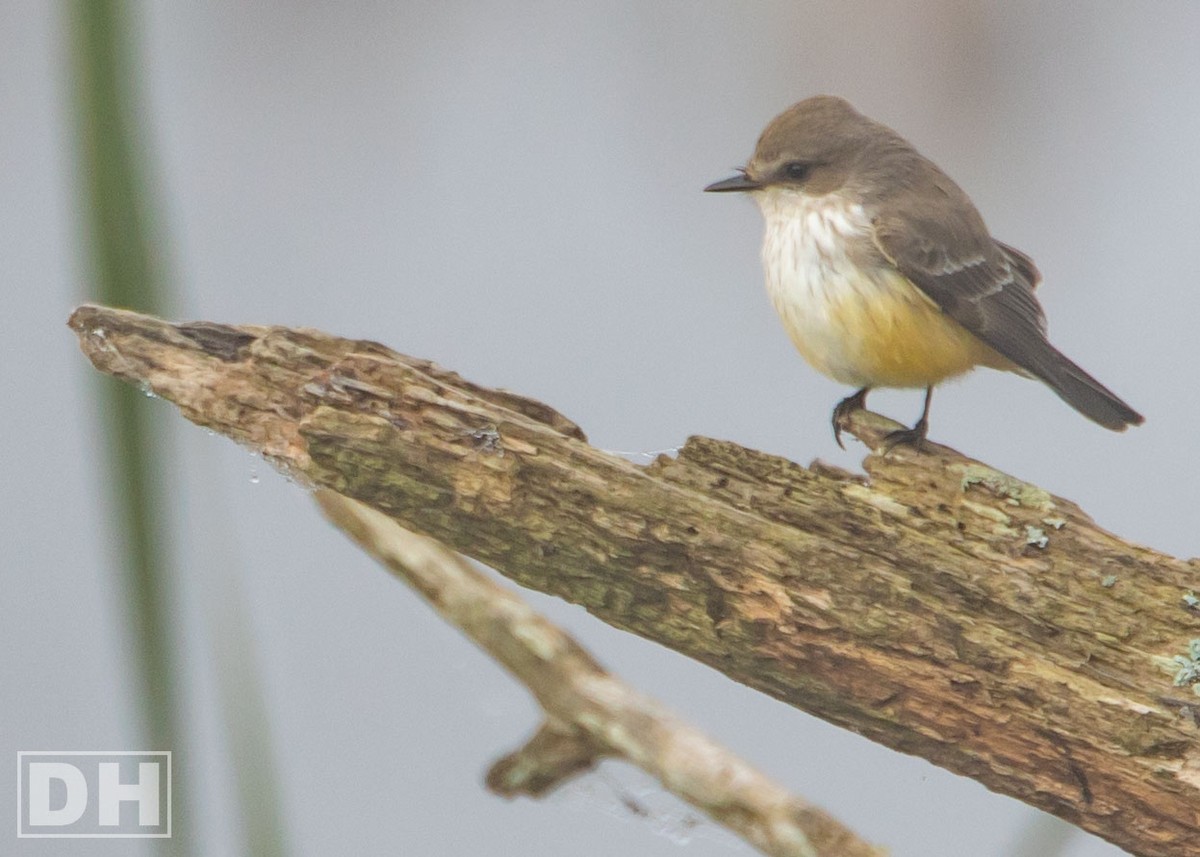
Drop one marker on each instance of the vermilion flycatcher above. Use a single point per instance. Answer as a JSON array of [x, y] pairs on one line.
[[884, 273]]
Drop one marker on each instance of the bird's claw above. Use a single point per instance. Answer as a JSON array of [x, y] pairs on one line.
[[914, 437], [843, 410]]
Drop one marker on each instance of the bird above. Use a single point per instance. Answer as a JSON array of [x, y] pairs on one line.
[[885, 274]]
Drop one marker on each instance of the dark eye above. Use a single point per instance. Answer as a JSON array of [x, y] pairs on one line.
[[797, 171]]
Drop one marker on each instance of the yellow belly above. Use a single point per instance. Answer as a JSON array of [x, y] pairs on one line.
[[883, 334]]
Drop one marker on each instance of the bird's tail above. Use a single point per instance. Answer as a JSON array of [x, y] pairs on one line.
[[1081, 391]]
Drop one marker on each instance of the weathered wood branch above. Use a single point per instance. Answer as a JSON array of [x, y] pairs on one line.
[[590, 714], [941, 608]]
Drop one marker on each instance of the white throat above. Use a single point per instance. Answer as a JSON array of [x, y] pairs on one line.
[[806, 236]]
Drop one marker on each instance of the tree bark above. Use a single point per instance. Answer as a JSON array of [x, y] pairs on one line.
[[939, 607]]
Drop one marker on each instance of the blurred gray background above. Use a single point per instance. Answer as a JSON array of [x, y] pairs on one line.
[[513, 190]]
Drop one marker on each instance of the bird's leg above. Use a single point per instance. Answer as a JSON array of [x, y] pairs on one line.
[[915, 435], [843, 410]]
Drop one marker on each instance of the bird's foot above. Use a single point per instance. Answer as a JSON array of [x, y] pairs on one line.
[[914, 437], [843, 410]]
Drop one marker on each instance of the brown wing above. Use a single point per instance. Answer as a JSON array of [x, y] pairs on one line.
[[984, 285], [1022, 263]]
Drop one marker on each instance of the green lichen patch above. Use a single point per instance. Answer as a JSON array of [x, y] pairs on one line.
[[1188, 672], [1009, 487]]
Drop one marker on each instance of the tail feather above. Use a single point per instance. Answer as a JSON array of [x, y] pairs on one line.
[[1081, 391]]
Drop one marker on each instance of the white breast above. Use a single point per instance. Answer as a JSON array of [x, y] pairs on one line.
[[810, 279]]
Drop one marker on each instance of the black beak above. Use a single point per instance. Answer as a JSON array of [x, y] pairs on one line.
[[740, 183]]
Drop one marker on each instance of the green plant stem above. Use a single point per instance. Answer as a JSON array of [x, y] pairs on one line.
[[124, 269]]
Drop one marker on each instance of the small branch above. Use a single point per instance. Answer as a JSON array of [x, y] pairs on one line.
[[940, 607], [549, 758], [589, 713]]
